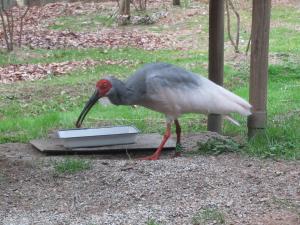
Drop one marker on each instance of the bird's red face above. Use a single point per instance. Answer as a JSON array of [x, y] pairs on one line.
[[102, 88]]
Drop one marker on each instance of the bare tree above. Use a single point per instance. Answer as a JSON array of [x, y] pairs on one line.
[[124, 12], [176, 2], [249, 43], [9, 21], [118, 3], [22, 16], [235, 43], [139, 5]]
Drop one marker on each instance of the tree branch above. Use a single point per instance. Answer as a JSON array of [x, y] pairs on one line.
[[9, 27], [249, 42], [238, 21], [4, 30], [228, 26], [21, 25]]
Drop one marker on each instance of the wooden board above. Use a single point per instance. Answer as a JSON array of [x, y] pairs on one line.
[[143, 142]]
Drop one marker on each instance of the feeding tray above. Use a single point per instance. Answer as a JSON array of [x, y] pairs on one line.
[[92, 137], [142, 142]]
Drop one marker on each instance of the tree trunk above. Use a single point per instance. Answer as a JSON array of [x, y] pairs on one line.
[[125, 8], [124, 12], [176, 2]]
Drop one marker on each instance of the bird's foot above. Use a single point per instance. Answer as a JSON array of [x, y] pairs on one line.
[[151, 157], [177, 154], [178, 150]]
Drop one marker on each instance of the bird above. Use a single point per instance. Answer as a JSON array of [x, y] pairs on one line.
[[171, 90]]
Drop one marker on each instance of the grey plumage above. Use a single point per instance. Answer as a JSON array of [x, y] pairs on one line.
[[173, 90], [145, 80]]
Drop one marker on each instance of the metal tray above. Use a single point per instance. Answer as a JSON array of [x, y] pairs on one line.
[[91, 137]]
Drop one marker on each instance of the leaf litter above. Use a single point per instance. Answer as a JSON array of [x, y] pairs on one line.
[[30, 72], [36, 32]]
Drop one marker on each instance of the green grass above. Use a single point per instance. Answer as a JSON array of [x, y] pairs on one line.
[[284, 36], [287, 204], [284, 39], [287, 14], [216, 146], [153, 222], [3, 178], [137, 56], [207, 216], [7, 58], [70, 165], [82, 22], [31, 110], [280, 140]]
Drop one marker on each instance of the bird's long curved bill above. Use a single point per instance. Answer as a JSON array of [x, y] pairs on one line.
[[91, 102]]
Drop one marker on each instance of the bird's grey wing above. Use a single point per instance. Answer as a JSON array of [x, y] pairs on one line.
[[166, 89], [149, 80], [173, 77], [168, 74]]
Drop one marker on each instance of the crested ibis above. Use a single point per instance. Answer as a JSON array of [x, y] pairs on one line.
[[170, 90]]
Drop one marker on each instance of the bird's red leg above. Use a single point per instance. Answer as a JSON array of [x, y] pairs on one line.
[[178, 134], [157, 153]]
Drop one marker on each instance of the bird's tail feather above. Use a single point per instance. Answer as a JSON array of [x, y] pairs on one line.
[[237, 103], [232, 120]]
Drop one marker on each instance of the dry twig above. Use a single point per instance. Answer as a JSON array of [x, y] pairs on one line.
[[21, 25], [236, 43]]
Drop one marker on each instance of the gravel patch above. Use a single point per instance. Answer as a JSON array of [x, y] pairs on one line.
[[171, 191]]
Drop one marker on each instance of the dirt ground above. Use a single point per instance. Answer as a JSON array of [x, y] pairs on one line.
[[118, 190]]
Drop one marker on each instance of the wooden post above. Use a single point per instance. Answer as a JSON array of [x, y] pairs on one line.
[[216, 54], [259, 66]]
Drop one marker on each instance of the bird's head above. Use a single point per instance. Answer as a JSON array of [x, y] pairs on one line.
[[103, 87]]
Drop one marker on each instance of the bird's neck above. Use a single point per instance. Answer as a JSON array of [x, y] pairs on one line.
[[120, 94]]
